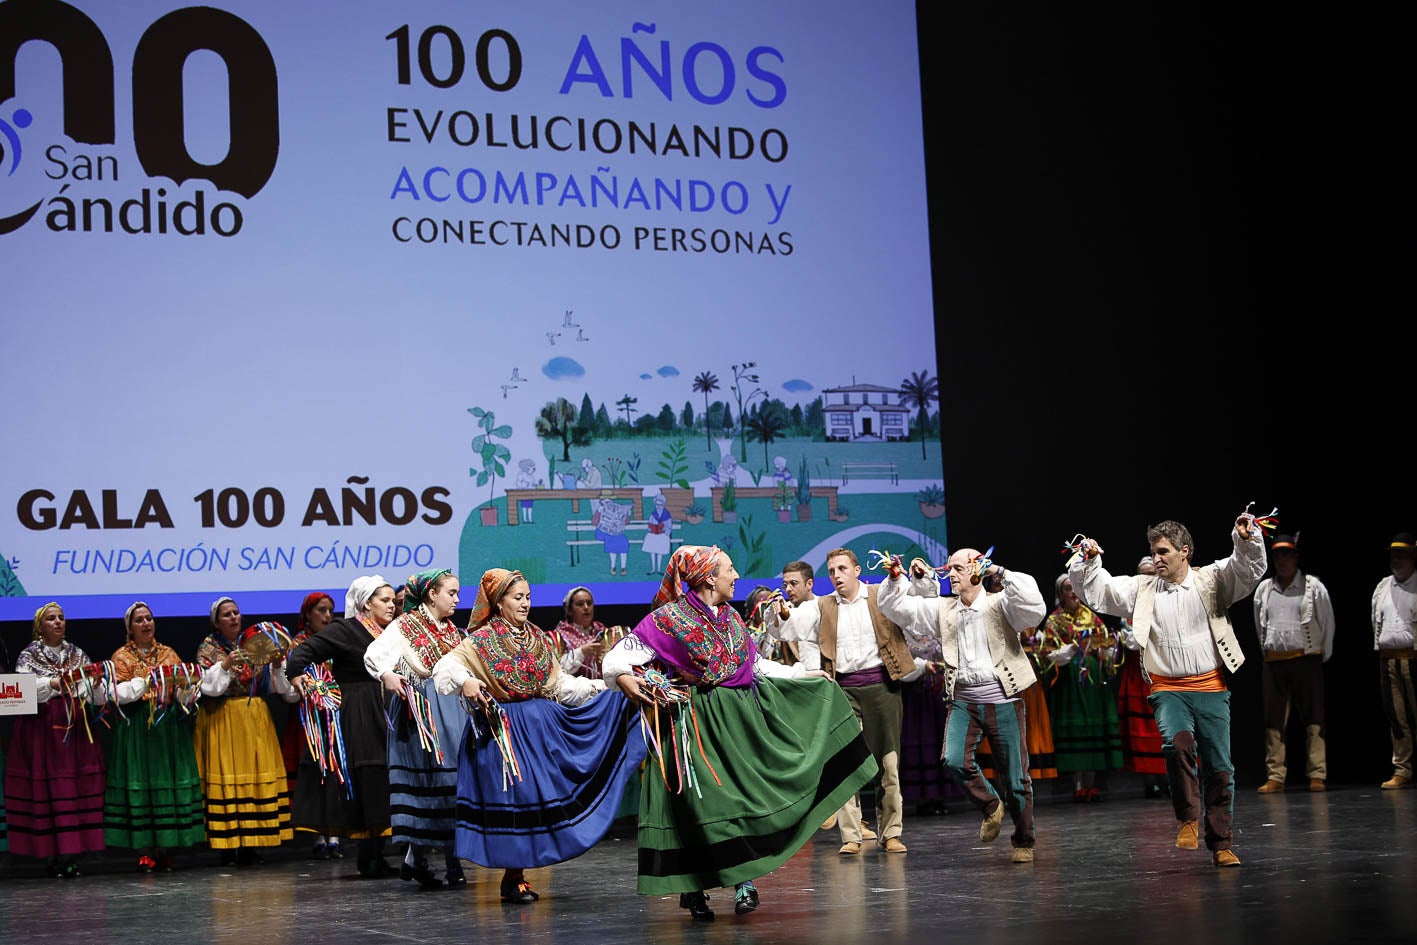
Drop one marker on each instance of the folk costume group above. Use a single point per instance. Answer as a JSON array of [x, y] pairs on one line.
[[515, 748]]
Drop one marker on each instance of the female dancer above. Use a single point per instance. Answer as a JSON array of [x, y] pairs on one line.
[[542, 771], [317, 611], [55, 777], [324, 802], [772, 754], [1082, 700], [582, 637], [238, 752], [423, 746], [154, 797]]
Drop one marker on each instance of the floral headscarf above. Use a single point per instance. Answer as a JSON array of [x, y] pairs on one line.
[[420, 585], [495, 582], [689, 566]]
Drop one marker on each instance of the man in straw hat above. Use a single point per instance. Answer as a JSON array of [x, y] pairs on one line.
[[1294, 620], [1394, 611]]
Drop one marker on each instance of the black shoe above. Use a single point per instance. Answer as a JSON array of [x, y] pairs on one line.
[[335, 851], [422, 873], [69, 871], [248, 857], [1152, 791], [228, 858], [320, 851], [164, 863], [697, 904], [519, 892], [376, 868], [455, 877], [745, 900]]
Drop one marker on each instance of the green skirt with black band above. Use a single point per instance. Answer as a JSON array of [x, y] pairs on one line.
[[787, 754]]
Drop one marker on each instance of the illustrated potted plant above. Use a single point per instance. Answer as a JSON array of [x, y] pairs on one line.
[[782, 502], [841, 513], [932, 501], [804, 492], [674, 467], [494, 457], [730, 501], [693, 513]]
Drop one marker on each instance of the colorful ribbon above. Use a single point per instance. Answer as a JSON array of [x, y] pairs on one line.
[[320, 718], [681, 719], [499, 729], [1267, 522]]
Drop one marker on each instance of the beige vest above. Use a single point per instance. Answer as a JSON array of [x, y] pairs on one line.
[[890, 639], [1379, 594], [1205, 585], [1011, 664], [1306, 612]]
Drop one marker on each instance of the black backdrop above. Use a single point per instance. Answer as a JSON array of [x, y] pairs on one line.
[[1164, 286]]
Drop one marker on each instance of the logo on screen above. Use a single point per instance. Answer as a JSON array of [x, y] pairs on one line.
[[86, 162]]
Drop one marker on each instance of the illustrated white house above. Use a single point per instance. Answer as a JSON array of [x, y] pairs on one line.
[[864, 413]]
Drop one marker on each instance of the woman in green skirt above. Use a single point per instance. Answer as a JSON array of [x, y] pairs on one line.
[[153, 801], [748, 756]]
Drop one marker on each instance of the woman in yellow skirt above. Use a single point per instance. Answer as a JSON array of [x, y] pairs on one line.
[[244, 789]]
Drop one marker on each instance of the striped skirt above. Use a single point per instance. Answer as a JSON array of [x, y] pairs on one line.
[[1086, 733], [154, 795], [573, 764], [769, 767], [247, 801], [54, 782], [423, 790]]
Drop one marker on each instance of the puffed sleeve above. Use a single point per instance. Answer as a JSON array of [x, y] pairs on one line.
[[624, 657], [916, 615], [575, 690], [453, 669], [383, 654]]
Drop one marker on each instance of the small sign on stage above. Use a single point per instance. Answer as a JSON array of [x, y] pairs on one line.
[[17, 694]]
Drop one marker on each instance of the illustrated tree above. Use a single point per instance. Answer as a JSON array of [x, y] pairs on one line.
[[920, 390], [706, 383], [556, 420], [494, 455], [743, 375], [765, 426], [627, 404]]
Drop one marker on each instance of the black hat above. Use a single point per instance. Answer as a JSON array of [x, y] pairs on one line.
[[1403, 543], [1285, 543]]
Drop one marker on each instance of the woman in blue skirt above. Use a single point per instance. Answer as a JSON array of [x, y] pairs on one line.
[[423, 746], [546, 756]]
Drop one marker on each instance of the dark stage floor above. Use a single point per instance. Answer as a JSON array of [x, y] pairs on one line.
[[1335, 867]]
